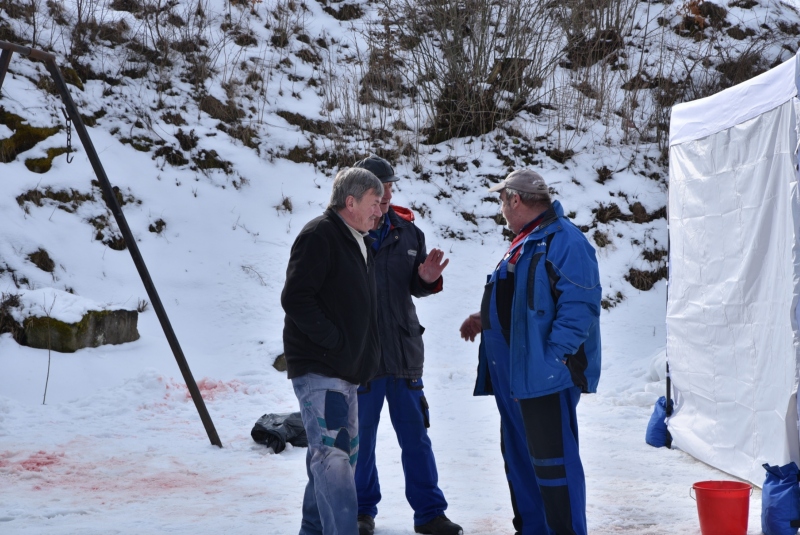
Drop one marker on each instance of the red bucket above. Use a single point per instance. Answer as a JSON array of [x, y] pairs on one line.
[[723, 506]]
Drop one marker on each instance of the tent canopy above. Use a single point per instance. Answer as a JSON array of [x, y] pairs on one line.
[[734, 274]]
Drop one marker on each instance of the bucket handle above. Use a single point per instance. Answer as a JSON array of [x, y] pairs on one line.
[[695, 497]]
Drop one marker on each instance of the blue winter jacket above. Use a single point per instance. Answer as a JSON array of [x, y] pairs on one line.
[[555, 317]]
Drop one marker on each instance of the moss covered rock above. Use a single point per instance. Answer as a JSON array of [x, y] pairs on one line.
[[25, 136], [43, 165], [96, 328]]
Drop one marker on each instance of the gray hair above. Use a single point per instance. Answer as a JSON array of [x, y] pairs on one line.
[[353, 181], [530, 199]]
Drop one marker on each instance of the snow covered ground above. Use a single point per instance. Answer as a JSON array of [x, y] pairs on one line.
[[118, 447]]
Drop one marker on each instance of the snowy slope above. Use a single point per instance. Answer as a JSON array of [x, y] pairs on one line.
[[118, 447]]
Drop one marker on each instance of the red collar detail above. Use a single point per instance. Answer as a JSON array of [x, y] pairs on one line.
[[403, 213]]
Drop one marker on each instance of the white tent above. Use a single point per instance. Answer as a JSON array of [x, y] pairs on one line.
[[734, 274]]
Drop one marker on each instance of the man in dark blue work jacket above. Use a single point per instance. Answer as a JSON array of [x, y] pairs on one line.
[[402, 269], [540, 349]]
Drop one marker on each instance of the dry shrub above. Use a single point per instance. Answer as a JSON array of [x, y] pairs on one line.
[[307, 125], [601, 238], [187, 141], [173, 118], [474, 63], [345, 12], [604, 174], [227, 113], [171, 156], [610, 301], [606, 213], [740, 68], [586, 51], [157, 227], [654, 255], [640, 214], [42, 260], [644, 280], [7, 322]]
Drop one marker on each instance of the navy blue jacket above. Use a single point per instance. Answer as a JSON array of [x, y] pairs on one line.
[[555, 315], [331, 325], [396, 273]]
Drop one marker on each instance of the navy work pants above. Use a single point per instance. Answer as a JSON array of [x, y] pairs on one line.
[[539, 442], [408, 411]]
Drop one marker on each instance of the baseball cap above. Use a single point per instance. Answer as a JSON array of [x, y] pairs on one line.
[[378, 167], [523, 180]]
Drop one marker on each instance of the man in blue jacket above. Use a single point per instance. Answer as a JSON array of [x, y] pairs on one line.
[[540, 349], [403, 269]]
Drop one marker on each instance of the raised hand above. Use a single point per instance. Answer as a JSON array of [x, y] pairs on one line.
[[431, 269]]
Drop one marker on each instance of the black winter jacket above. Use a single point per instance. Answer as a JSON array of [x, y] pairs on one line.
[[396, 272], [331, 324]]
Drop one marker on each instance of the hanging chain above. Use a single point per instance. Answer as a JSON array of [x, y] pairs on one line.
[[69, 135]]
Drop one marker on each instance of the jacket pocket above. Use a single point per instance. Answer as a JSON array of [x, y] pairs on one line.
[[426, 417], [540, 296], [413, 349]]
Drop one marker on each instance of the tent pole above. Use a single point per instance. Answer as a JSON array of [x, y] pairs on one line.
[[130, 242], [668, 441]]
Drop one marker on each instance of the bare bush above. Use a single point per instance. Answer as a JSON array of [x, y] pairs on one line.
[[594, 28], [475, 63]]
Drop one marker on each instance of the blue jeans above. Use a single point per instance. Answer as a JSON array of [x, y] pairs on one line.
[[408, 411], [330, 416]]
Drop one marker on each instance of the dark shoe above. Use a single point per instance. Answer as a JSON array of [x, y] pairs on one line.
[[440, 525], [366, 525]]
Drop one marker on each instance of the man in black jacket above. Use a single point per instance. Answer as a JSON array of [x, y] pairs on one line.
[[403, 269], [330, 338]]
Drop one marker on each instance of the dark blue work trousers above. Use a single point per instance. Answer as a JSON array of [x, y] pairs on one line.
[[539, 442], [408, 411]]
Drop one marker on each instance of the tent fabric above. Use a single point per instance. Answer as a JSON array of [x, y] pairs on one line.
[[735, 105], [734, 279]]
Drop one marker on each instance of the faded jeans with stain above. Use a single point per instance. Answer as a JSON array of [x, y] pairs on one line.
[[329, 408]]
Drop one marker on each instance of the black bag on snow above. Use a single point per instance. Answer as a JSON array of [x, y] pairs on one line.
[[275, 430]]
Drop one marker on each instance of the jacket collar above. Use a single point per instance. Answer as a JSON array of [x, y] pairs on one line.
[[399, 216], [551, 215], [338, 220], [550, 222]]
